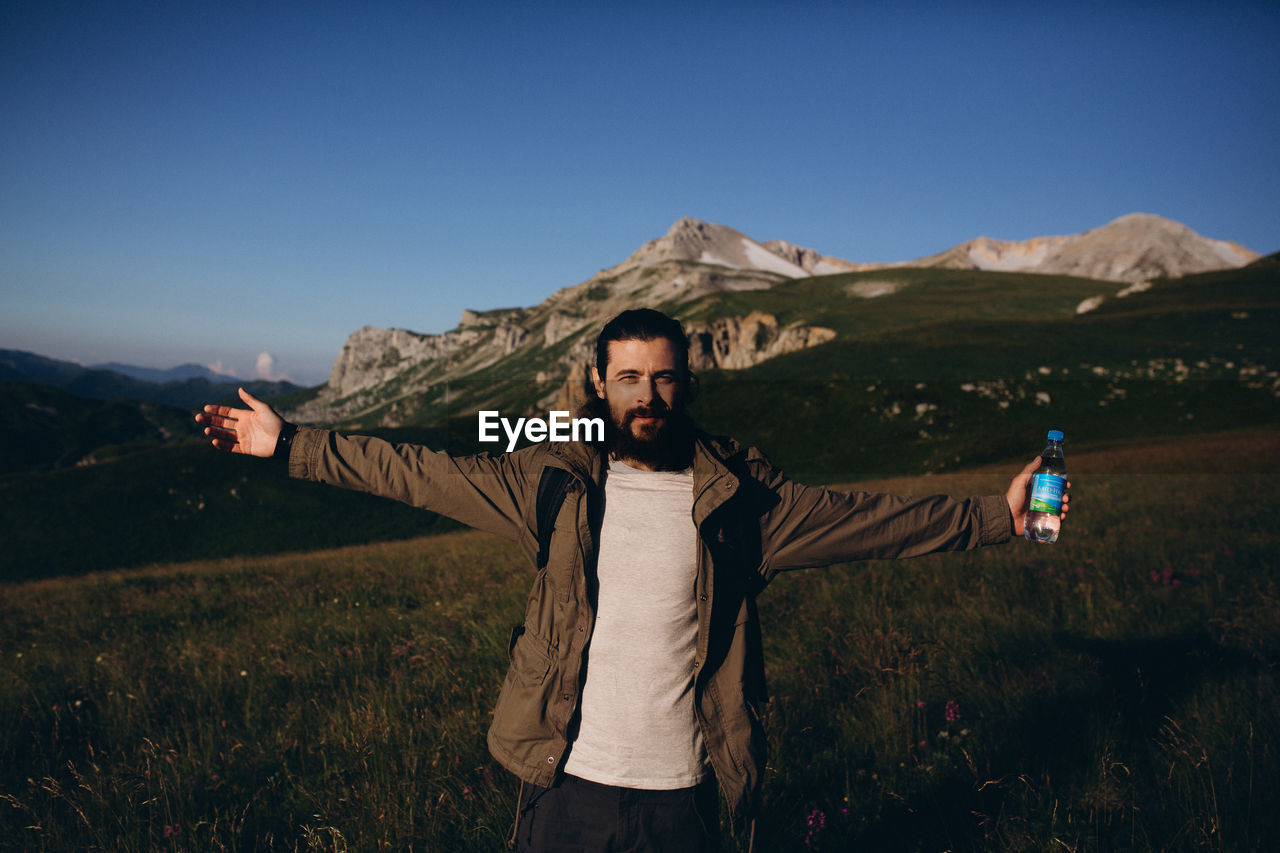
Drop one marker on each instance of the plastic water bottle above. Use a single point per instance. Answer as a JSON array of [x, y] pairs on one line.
[[1044, 519]]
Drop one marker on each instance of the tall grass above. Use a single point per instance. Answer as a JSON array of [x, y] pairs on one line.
[[1116, 691]]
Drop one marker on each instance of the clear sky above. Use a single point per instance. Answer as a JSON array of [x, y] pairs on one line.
[[207, 182]]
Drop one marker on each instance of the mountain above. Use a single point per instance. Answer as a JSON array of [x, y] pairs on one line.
[[1133, 248], [171, 374], [97, 384], [382, 376], [700, 272]]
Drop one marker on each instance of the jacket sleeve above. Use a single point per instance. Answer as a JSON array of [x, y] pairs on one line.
[[807, 526], [481, 491]]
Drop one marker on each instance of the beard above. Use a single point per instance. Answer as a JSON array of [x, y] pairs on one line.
[[665, 443]]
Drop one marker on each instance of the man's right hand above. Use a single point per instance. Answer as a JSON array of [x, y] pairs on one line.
[[253, 430]]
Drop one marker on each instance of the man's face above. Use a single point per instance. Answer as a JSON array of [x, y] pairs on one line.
[[644, 388]]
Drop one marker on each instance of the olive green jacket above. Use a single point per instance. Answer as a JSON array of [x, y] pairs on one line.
[[752, 521]]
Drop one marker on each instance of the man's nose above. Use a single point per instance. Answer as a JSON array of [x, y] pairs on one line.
[[646, 391]]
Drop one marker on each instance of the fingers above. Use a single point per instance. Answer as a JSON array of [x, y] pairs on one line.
[[224, 439], [217, 420], [253, 402], [220, 414]]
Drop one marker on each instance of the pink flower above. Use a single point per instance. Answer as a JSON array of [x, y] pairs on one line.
[[817, 822], [952, 712], [170, 830]]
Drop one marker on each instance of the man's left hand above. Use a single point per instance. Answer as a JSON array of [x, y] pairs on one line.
[[1019, 496]]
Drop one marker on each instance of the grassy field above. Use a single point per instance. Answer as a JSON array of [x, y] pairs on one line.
[[1117, 691]]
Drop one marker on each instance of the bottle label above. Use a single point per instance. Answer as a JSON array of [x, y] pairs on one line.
[[1046, 493]]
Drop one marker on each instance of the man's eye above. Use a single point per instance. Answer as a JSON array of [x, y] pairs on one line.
[[664, 380]]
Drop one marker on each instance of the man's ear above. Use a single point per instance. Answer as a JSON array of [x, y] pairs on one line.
[[597, 382], [691, 387]]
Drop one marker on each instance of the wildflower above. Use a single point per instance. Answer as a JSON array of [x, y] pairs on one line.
[[952, 711], [920, 704], [817, 821], [170, 830]]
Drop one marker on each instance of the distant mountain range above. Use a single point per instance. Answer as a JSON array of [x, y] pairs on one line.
[[172, 374], [185, 386], [382, 376]]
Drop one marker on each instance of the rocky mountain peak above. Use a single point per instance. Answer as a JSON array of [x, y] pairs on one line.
[[693, 240], [812, 261], [1134, 248]]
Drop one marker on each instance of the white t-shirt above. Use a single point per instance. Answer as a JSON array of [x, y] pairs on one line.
[[638, 726]]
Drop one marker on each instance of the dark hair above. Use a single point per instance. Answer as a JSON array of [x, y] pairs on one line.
[[642, 324]]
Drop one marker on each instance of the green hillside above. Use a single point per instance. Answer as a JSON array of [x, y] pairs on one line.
[[982, 378], [183, 502], [877, 301], [45, 428]]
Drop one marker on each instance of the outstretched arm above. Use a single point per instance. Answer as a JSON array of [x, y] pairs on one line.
[[808, 526], [252, 431], [1019, 496], [479, 491]]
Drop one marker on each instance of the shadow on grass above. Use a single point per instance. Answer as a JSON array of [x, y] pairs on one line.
[[1101, 740]]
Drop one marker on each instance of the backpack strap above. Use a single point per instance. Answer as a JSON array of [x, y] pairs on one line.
[[552, 488]]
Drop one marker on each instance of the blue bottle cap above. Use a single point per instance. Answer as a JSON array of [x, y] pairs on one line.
[[1055, 435]]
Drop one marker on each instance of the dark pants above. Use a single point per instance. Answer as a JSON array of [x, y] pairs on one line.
[[577, 816]]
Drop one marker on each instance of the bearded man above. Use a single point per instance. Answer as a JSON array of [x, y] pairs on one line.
[[636, 677]]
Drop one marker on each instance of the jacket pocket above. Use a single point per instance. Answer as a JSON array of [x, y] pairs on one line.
[[530, 656]]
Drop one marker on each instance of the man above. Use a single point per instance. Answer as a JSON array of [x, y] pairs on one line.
[[663, 540]]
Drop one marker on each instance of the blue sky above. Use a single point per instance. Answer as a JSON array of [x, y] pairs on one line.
[[206, 182]]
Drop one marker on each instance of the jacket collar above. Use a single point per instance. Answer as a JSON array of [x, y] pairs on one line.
[[713, 480]]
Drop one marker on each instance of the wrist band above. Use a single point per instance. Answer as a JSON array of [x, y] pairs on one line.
[[284, 442]]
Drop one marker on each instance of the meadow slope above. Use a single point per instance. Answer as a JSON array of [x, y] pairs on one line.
[[1115, 691]]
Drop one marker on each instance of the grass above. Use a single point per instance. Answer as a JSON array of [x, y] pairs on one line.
[[1114, 691]]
